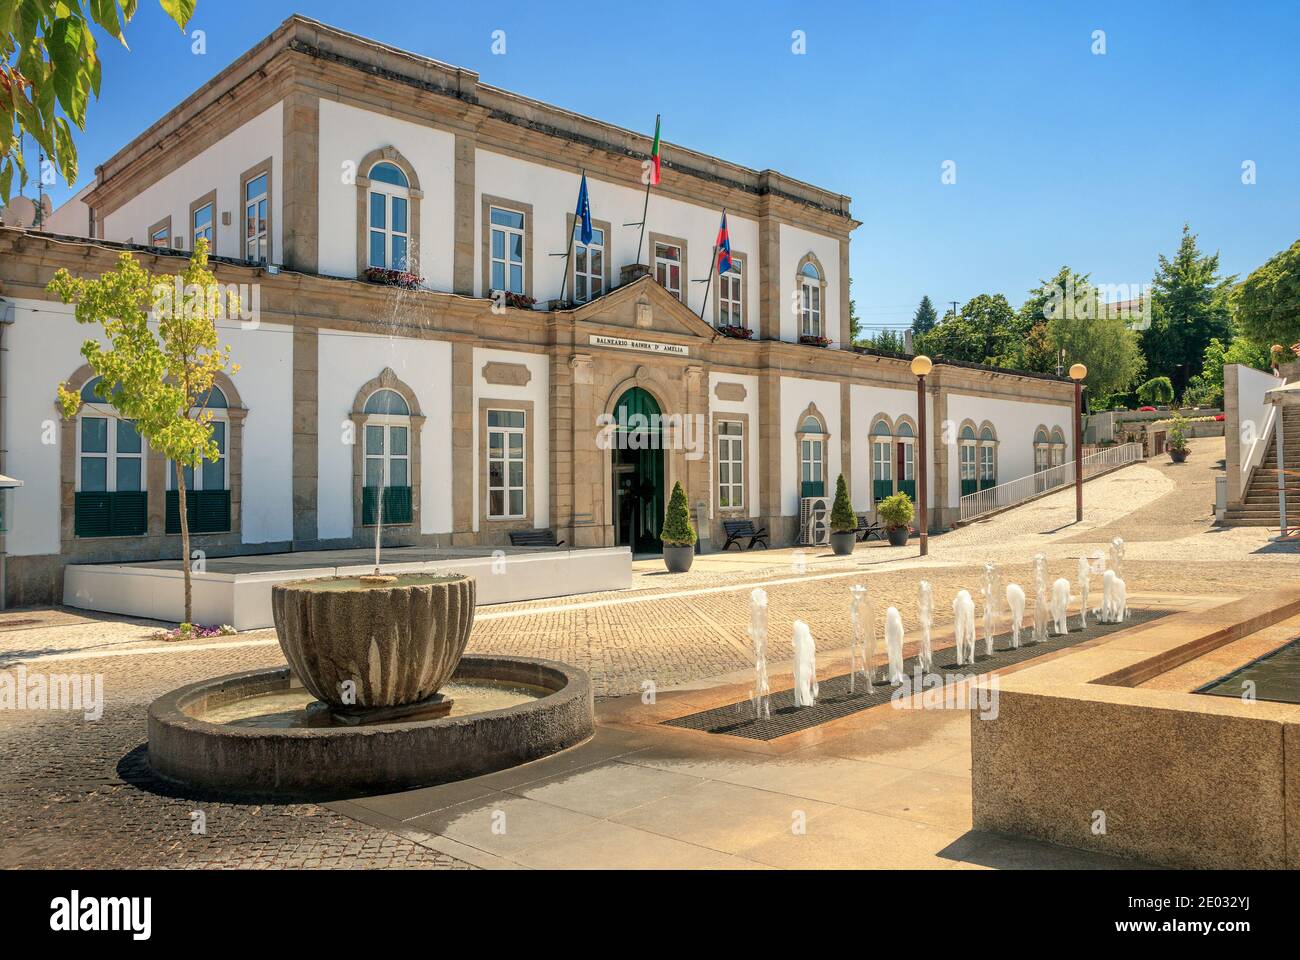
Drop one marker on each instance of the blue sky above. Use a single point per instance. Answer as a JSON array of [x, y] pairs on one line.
[[1062, 156]]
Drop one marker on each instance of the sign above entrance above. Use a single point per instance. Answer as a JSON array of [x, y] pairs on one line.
[[646, 346]]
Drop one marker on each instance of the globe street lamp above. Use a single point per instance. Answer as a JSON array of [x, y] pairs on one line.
[[921, 366], [1077, 374]]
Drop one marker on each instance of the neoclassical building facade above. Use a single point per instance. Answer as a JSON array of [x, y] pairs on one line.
[[510, 386]]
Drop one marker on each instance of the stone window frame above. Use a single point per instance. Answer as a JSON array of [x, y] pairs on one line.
[[743, 260], [1057, 446], [743, 419], [388, 154], [485, 262], [872, 440], [252, 173], [973, 444], [1042, 430], [608, 271], [499, 525], [905, 418], [680, 242], [164, 223], [799, 280], [155, 473], [983, 444], [387, 380], [208, 198], [825, 436]]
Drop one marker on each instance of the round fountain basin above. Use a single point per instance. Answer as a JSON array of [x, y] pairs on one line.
[[252, 733]]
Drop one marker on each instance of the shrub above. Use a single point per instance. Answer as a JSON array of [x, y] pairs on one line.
[[843, 519], [1176, 436], [677, 531], [1156, 391], [895, 511]]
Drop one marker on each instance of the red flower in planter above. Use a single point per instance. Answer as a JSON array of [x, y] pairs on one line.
[[814, 341], [736, 331], [1146, 409], [1218, 416], [393, 278]]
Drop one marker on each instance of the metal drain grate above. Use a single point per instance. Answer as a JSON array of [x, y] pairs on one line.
[[835, 700]]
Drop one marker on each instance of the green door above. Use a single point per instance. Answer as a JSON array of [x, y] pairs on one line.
[[637, 458]]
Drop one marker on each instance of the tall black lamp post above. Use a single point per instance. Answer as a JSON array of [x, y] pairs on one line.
[[1077, 373], [921, 366]]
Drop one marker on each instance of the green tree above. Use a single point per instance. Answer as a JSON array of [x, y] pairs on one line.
[[1189, 308], [925, 318], [162, 358], [1156, 391], [843, 519], [1206, 388], [49, 68], [677, 531], [1267, 304], [855, 322], [1081, 330], [979, 334]]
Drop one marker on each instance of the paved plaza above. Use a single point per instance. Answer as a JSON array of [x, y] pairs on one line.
[[882, 787]]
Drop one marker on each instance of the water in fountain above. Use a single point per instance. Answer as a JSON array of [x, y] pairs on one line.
[[805, 666], [925, 616], [894, 644], [1016, 608], [758, 636], [858, 644], [1040, 598], [1060, 604], [1084, 571], [963, 626], [1117, 556], [989, 593]]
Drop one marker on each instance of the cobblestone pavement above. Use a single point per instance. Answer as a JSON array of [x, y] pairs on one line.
[[75, 793]]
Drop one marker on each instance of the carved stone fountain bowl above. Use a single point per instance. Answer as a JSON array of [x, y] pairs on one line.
[[358, 645]]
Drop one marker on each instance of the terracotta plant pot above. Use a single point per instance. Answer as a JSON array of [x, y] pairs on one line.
[[678, 559], [396, 643], [898, 536], [842, 543]]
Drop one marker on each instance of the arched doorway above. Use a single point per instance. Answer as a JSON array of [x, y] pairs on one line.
[[637, 459]]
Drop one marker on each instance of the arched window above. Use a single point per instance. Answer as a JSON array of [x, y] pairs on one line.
[[905, 458], [988, 464], [111, 486], [810, 300], [1042, 455], [812, 437], [966, 450], [1058, 447], [882, 471], [388, 225], [207, 490], [387, 438]]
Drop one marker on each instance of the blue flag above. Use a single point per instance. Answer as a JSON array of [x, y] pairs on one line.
[[724, 247], [583, 214]]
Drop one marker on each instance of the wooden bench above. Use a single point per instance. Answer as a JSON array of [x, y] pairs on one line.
[[737, 530], [868, 528], [534, 538]]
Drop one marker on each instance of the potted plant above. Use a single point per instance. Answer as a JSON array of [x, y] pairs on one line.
[[678, 535], [393, 278], [812, 340], [895, 512], [844, 522], [735, 331], [1176, 439]]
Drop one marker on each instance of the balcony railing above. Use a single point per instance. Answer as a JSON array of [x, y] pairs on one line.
[[1018, 491]]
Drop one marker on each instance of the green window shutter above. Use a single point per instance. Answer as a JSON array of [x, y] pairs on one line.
[[397, 505], [207, 511], [93, 516]]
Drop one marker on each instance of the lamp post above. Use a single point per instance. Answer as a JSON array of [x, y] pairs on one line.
[[921, 366], [1077, 373]]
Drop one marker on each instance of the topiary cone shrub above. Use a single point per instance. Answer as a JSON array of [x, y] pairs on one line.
[[677, 531], [843, 519]]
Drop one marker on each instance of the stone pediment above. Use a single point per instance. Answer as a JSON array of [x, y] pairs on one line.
[[643, 306]]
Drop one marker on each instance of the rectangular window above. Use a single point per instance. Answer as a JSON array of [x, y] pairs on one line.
[[201, 228], [507, 250], [160, 237], [588, 265], [388, 231], [256, 237], [811, 310], [668, 267], [506, 486], [731, 464], [111, 457], [731, 296]]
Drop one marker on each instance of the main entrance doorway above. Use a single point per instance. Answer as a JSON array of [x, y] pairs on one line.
[[637, 456]]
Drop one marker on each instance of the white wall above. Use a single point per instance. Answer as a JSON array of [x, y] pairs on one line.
[[349, 360], [865, 404], [265, 385], [1252, 384], [795, 244], [719, 409], [554, 193], [1014, 422], [349, 133], [218, 167], [72, 218], [538, 391], [796, 394]]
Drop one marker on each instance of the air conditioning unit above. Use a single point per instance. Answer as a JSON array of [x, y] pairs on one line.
[[814, 521]]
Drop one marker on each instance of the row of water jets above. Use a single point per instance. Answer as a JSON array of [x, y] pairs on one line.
[[1048, 617]]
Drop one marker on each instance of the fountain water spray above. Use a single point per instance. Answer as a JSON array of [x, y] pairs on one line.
[[963, 626], [858, 645], [1016, 603], [989, 595], [805, 666], [1114, 598], [758, 635], [1117, 556], [1060, 606], [1084, 570], [1040, 598], [925, 615], [894, 643]]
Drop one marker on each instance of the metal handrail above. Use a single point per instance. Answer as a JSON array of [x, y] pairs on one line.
[[1025, 488]]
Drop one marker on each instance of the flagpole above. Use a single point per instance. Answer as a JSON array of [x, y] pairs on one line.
[[645, 206], [569, 251], [713, 265]]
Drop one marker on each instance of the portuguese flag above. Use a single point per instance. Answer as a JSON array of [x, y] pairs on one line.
[[654, 156]]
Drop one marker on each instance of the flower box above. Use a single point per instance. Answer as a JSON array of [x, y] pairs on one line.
[[814, 341], [735, 331], [520, 301], [393, 278]]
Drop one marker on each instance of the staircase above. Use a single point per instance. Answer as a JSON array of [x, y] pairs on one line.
[[1258, 507]]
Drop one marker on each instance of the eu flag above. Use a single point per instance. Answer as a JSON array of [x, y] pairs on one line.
[[724, 247], [583, 214]]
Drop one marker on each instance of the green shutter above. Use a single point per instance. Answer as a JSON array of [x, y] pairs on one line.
[[397, 505], [121, 514], [207, 511]]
